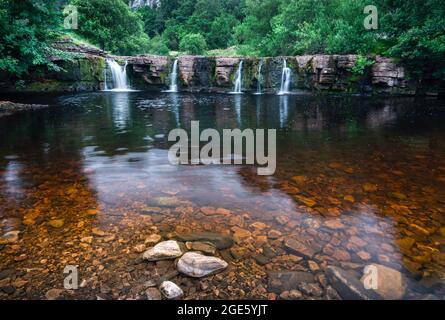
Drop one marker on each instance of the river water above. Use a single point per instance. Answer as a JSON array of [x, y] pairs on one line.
[[359, 180]]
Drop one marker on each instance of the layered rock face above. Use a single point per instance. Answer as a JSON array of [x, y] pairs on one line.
[[88, 71], [85, 72], [309, 72]]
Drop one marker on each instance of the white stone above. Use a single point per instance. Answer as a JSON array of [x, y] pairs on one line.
[[196, 265], [164, 250], [170, 290]]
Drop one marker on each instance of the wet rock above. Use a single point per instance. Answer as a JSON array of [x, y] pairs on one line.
[[334, 224], [405, 243], [348, 285], [261, 259], [240, 234], [311, 289], [331, 294], [391, 284], [9, 237], [139, 248], [8, 289], [418, 229], [196, 265], [56, 223], [6, 273], [364, 255], [86, 240], [237, 221], [295, 295], [167, 276], [153, 294], [341, 255], [205, 247], [274, 234], [98, 232], [439, 258], [162, 251], [152, 239], [279, 281], [170, 290], [369, 187], [309, 202], [282, 219], [220, 241], [299, 247], [259, 225], [356, 241], [313, 266], [53, 294]]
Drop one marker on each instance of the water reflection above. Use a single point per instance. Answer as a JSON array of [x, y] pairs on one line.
[[284, 110], [120, 102], [355, 176]]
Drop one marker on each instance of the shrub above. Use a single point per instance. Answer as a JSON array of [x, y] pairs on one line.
[[193, 43]]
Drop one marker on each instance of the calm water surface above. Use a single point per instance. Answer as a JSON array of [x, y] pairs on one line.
[[359, 180]]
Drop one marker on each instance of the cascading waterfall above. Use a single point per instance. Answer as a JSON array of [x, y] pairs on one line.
[[238, 79], [285, 79], [119, 74], [105, 77], [259, 77], [174, 78]]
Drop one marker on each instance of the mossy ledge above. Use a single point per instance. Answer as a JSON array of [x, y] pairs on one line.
[[318, 73]]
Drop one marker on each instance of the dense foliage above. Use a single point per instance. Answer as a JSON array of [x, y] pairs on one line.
[[112, 25], [411, 30], [26, 28]]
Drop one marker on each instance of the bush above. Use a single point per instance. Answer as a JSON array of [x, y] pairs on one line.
[[112, 25], [193, 43], [158, 46], [361, 65], [26, 31]]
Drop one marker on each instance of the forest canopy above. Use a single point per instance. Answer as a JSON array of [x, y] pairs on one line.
[[411, 30]]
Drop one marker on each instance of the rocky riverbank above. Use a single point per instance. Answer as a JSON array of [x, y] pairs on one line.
[[316, 73], [8, 108]]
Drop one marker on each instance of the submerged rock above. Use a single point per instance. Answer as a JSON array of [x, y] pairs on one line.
[[162, 251], [391, 284], [348, 285], [170, 290], [153, 294], [279, 281], [219, 240], [299, 247], [56, 223], [196, 265], [9, 237], [53, 294], [205, 247]]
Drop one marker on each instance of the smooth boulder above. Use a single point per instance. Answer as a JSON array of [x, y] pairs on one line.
[[170, 290], [163, 251], [197, 265]]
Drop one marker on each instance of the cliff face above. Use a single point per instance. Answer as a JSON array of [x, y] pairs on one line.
[[309, 72], [88, 71]]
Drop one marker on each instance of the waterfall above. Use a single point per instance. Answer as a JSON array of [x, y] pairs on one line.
[[285, 79], [105, 77], [174, 78], [239, 79], [259, 77], [119, 74]]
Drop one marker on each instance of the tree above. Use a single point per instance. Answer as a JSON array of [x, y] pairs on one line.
[[193, 43], [112, 25], [27, 28]]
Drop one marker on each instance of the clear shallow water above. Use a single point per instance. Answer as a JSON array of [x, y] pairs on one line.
[[357, 179]]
